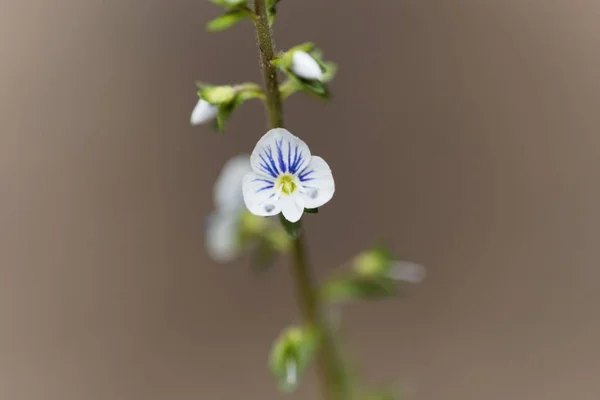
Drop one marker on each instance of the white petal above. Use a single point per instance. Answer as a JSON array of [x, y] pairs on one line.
[[317, 185], [407, 271], [291, 372], [305, 66], [292, 207], [203, 112], [222, 236], [277, 152], [259, 195], [227, 191]]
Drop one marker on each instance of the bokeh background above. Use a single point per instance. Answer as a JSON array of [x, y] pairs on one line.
[[465, 132]]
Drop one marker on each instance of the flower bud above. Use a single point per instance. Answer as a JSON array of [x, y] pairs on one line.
[[407, 271], [203, 112], [305, 66]]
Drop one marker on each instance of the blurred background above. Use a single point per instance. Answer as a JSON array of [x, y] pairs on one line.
[[465, 132]]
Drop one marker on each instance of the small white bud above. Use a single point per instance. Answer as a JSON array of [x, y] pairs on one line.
[[407, 271], [291, 372], [203, 112], [305, 66]]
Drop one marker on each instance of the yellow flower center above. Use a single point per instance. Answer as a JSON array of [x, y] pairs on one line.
[[286, 183]]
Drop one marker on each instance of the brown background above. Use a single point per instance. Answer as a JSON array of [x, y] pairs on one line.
[[464, 131]]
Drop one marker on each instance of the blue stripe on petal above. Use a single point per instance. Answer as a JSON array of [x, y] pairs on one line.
[[264, 188], [297, 160], [263, 180], [269, 155], [282, 166], [266, 167], [290, 156], [304, 175]]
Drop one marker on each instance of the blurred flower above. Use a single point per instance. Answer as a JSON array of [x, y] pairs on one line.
[[203, 112], [380, 262], [223, 229], [305, 66], [285, 178], [407, 271]]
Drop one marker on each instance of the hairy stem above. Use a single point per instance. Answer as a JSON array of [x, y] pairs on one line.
[[328, 368], [267, 53]]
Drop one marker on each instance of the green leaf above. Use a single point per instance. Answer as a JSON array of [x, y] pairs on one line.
[[357, 287], [229, 3], [311, 210], [306, 46], [223, 113], [293, 229], [217, 94], [291, 354], [329, 71], [228, 19], [316, 88]]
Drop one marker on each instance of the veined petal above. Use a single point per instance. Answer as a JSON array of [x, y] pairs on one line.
[[305, 66], [260, 194], [203, 112], [317, 184], [292, 207], [278, 152], [227, 191], [222, 236]]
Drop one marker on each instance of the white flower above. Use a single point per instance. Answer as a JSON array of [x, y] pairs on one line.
[[305, 66], [227, 191], [285, 178], [203, 112], [223, 224], [407, 271], [222, 236]]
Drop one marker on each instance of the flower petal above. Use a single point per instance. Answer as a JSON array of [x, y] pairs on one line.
[[407, 271], [305, 66], [260, 195], [203, 112], [292, 207], [278, 152], [222, 236], [317, 185], [227, 191]]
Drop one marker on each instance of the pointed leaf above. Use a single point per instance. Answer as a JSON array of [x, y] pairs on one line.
[[356, 287], [227, 20]]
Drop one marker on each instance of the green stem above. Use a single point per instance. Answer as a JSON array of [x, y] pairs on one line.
[[328, 368], [267, 53]]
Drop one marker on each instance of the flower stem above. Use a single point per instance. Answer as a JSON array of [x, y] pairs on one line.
[[267, 53], [329, 369]]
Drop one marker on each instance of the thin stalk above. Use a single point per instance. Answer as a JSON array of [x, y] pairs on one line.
[[329, 369], [267, 53]]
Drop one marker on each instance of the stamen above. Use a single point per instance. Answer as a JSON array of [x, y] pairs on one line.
[[287, 184]]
